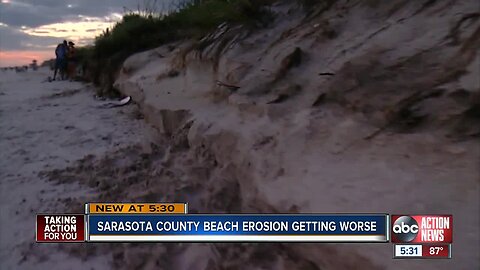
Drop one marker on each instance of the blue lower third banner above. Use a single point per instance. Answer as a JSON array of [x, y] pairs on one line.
[[238, 228]]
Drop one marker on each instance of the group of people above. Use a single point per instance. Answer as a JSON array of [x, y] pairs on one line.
[[65, 62]]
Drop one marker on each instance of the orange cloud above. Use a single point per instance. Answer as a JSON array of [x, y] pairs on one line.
[[17, 58], [85, 28]]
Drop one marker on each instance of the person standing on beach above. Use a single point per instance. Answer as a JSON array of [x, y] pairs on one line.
[[61, 59], [72, 61]]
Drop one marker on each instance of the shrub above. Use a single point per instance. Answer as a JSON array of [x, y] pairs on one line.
[[137, 32]]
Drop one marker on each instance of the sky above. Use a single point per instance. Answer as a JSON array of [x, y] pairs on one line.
[[31, 29]]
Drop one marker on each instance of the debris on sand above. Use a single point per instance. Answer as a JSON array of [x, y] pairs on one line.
[[124, 101]]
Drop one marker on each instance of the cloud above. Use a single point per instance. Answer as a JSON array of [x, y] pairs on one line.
[[34, 13], [81, 28], [14, 39], [82, 31], [27, 24], [41, 32]]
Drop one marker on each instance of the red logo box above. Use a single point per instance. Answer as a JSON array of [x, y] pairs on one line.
[[422, 229], [59, 228]]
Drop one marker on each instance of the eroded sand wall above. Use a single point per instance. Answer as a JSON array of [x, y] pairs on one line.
[[359, 108]]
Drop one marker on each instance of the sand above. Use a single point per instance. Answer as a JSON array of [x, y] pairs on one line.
[[390, 136], [46, 126]]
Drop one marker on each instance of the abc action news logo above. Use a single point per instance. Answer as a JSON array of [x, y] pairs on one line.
[[422, 229]]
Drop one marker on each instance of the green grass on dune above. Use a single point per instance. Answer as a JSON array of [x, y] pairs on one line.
[[136, 32]]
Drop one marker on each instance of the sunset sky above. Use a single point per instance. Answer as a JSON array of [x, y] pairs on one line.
[[31, 29]]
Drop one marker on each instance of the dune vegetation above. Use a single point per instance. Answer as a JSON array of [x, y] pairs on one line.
[[148, 28]]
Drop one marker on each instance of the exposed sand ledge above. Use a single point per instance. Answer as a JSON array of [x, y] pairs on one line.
[[267, 145]]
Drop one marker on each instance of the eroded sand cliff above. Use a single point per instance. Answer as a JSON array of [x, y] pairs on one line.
[[353, 108]]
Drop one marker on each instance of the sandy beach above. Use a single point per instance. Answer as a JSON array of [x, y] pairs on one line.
[[46, 126]]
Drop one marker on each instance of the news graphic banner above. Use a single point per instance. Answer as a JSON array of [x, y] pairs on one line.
[[60, 228], [412, 236], [422, 236], [237, 228], [136, 208], [170, 222]]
